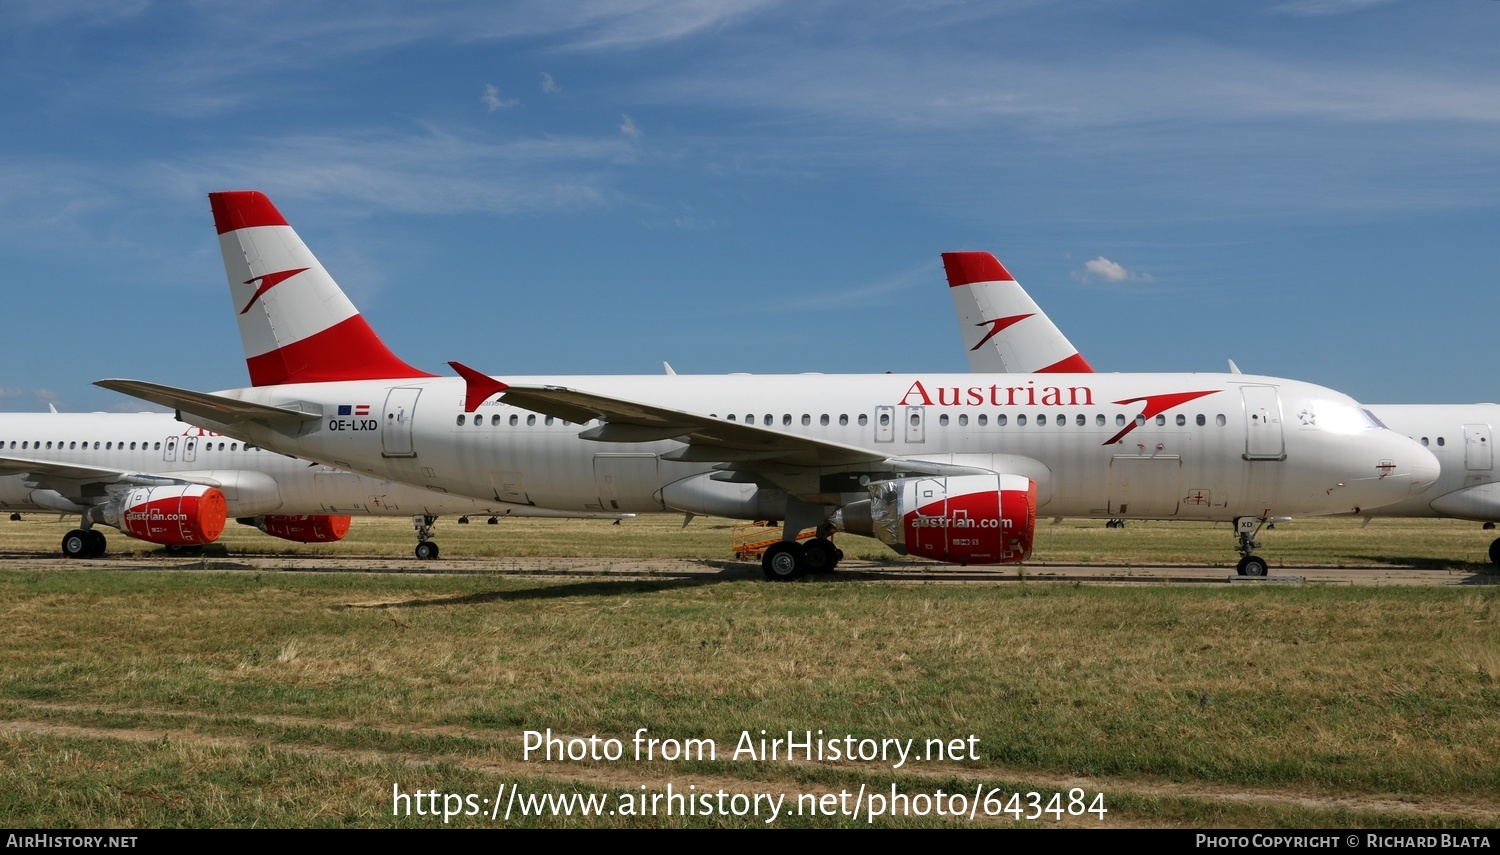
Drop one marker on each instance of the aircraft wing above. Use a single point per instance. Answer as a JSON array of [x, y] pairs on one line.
[[216, 408], [73, 479], [708, 439]]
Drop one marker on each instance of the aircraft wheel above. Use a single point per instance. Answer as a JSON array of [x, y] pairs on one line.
[[784, 562], [97, 543], [76, 543], [1253, 565], [491, 521], [1495, 551], [822, 556], [15, 517], [463, 520], [426, 550]]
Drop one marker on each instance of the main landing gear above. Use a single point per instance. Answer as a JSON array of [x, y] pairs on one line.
[[788, 559], [83, 543], [1250, 564], [426, 548]]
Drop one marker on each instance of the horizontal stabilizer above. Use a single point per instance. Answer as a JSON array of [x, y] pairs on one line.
[[215, 408]]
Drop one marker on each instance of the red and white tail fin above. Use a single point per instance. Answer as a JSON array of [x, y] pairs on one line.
[[295, 323], [1004, 330]]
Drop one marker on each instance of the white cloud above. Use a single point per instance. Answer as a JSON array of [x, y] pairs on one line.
[[1109, 271], [628, 127], [549, 85], [492, 99]]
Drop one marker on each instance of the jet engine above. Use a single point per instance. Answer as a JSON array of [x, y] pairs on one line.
[[961, 519], [317, 528], [188, 515]]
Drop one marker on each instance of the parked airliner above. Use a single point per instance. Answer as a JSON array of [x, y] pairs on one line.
[[1461, 436], [158, 480], [947, 467]]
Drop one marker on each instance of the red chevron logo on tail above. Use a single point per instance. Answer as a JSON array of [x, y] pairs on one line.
[[267, 282]]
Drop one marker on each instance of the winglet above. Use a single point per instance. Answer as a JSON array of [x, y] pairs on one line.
[[479, 387]]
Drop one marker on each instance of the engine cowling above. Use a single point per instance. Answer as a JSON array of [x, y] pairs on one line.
[[962, 519], [189, 515], [316, 528]]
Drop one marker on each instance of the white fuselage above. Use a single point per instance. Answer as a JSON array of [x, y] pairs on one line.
[[1247, 446], [1461, 437], [254, 480]]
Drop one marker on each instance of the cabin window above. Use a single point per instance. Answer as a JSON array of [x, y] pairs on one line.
[[770, 420], [863, 419], [72, 445], [786, 419], [1119, 419], [1099, 420], [885, 419], [916, 419], [531, 421], [843, 419], [1020, 419], [132, 446], [807, 420], [963, 419], [1002, 418], [514, 419], [823, 420], [1181, 420], [1424, 440], [731, 417], [983, 419], [1082, 420], [1441, 441], [1140, 420], [1219, 419], [1161, 420], [49, 445], [1041, 418], [234, 446], [460, 419], [942, 420], [495, 420], [1201, 420]]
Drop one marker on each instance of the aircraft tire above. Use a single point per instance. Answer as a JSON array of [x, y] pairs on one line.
[[784, 562], [1253, 565], [821, 555], [77, 543], [97, 543], [427, 550], [1495, 551]]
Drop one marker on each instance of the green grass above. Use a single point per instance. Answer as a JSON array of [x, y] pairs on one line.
[[1334, 541], [292, 699]]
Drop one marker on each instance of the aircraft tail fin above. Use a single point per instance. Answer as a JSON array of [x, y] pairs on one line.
[[296, 324], [1004, 330]]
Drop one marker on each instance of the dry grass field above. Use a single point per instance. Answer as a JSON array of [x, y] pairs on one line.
[[160, 697]]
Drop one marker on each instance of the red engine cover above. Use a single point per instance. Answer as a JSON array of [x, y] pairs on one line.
[[174, 516], [322, 528], [971, 519]]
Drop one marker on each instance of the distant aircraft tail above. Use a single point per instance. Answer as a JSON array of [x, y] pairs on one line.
[[295, 323], [1004, 330]]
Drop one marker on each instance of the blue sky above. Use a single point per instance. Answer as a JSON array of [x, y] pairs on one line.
[[1311, 188]]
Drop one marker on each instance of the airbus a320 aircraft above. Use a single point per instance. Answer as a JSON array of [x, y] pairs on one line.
[[157, 480], [1461, 436], [947, 467]]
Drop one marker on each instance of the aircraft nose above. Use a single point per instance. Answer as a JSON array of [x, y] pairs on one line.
[[1404, 467]]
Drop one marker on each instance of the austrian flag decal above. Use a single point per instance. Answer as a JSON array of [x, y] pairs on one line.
[[354, 409]]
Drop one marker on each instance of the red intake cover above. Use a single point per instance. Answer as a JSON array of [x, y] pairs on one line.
[[174, 516], [321, 528], [976, 526]]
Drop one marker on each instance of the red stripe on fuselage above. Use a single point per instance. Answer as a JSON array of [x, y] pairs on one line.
[[348, 350], [243, 209], [966, 268]]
